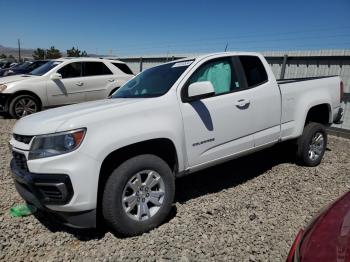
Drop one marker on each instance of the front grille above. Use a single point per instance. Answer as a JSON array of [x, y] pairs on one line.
[[20, 160], [22, 138]]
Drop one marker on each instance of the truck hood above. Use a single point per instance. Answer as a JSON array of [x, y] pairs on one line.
[[49, 121], [15, 78]]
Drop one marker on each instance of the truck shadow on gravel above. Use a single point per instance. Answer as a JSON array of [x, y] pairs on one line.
[[54, 226], [232, 173], [195, 185]]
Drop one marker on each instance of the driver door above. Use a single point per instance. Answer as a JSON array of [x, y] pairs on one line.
[[219, 126]]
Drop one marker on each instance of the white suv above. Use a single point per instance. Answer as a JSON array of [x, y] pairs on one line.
[[61, 82]]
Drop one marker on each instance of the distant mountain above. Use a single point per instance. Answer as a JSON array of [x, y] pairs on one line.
[[14, 51]]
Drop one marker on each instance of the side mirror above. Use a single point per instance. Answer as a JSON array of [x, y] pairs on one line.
[[56, 76], [200, 90]]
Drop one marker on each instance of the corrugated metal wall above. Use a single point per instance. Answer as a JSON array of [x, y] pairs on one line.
[[298, 64], [315, 63]]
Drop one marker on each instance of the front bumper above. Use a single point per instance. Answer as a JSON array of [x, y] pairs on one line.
[[4, 102], [50, 189]]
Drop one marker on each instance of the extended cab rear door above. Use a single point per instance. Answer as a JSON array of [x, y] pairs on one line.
[[265, 99], [222, 125]]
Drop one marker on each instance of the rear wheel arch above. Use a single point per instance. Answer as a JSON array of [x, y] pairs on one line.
[[321, 113]]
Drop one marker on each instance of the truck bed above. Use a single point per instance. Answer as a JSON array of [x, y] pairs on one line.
[[299, 94]]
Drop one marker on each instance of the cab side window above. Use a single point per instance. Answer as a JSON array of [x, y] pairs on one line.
[[71, 70], [254, 70], [220, 73]]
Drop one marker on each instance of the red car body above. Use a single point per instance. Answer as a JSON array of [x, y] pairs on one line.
[[327, 238]]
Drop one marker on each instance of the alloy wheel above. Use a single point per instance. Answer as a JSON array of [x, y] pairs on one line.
[[25, 106], [143, 195], [316, 146]]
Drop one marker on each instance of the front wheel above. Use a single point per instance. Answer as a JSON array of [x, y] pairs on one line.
[[138, 195], [23, 105], [312, 144]]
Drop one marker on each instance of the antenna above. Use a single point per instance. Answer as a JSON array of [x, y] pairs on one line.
[[226, 46]]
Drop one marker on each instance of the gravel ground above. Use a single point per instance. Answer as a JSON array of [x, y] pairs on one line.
[[246, 210]]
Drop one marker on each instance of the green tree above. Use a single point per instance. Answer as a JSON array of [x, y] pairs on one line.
[[3, 56], [11, 56], [75, 52], [53, 53], [39, 54]]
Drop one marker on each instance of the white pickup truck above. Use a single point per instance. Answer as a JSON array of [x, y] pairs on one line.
[[117, 159]]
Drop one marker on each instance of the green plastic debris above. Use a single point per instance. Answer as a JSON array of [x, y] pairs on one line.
[[22, 210]]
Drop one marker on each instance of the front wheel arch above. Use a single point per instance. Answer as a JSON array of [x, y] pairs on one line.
[[114, 212], [19, 93], [35, 102]]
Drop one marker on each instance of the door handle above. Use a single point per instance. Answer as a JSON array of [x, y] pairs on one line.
[[111, 80], [243, 103], [79, 83]]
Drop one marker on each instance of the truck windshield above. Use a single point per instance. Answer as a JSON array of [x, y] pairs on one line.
[[44, 68], [153, 82]]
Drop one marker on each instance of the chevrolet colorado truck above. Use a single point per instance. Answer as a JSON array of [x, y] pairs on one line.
[[117, 159]]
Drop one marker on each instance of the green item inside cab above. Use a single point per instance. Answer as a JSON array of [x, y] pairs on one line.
[[218, 73]]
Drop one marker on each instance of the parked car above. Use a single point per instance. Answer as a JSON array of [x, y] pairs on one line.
[[23, 68], [61, 82], [120, 157], [5, 64], [327, 237]]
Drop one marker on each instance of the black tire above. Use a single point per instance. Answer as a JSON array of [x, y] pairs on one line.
[[32, 102], [112, 204], [303, 144]]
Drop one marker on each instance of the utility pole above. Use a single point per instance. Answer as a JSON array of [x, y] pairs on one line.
[[19, 51]]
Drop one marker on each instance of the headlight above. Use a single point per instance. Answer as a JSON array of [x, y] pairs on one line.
[[2, 88], [56, 144]]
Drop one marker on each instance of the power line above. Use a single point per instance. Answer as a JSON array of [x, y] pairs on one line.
[[323, 30], [245, 41], [198, 50], [248, 44]]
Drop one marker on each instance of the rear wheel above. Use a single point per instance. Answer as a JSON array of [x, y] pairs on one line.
[[23, 105], [312, 144], [138, 195]]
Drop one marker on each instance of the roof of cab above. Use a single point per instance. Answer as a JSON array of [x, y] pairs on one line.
[[200, 57]]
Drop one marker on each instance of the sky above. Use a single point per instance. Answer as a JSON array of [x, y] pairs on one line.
[[133, 28]]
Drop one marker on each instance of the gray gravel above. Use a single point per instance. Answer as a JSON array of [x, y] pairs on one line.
[[246, 210]]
